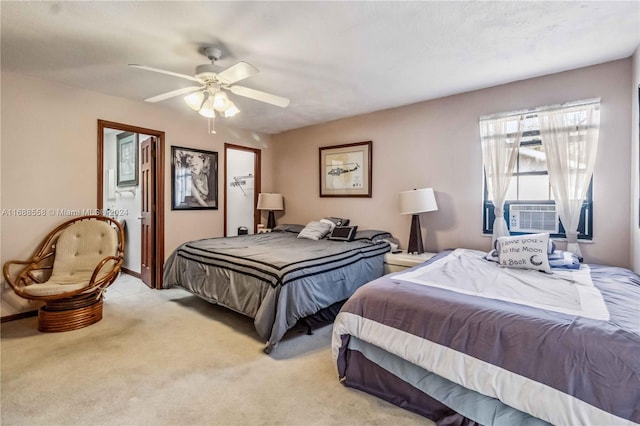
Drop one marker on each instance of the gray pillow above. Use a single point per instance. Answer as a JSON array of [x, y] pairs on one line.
[[315, 230], [338, 221], [289, 227], [372, 234]]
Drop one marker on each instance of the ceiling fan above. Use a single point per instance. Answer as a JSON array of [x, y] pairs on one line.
[[210, 96]]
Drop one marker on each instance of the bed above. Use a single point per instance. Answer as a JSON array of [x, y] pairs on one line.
[[426, 340], [277, 278]]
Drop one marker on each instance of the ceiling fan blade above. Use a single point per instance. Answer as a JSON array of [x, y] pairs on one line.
[[173, 93], [175, 74], [260, 96], [237, 72]]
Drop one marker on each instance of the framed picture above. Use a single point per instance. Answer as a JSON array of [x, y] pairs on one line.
[[345, 170], [194, 179], [127, 167]]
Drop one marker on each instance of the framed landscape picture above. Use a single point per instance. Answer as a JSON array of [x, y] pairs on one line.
[[194, 179], [127, 165], [345, 170]]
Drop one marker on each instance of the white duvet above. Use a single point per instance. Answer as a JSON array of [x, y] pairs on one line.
[[567, 291]]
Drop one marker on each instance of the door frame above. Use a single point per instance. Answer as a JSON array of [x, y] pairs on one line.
[[159, 193], [257, 183]]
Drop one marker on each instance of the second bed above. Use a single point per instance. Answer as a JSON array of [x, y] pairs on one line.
[[276, 278]]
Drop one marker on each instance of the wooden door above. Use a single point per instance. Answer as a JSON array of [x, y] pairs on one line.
[[147, 216]]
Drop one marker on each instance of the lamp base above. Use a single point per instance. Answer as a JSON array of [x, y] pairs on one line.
[[271, 221], [415, 236]]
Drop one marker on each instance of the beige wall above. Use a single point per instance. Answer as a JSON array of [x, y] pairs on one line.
[[635, 138], [436, 144], [49, 157]]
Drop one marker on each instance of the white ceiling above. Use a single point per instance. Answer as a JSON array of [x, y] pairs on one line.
[[332, 59]]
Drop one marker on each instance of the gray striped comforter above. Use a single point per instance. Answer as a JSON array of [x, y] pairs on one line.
[[274, 278]]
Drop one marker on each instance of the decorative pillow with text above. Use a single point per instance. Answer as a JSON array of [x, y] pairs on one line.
[[524, 252]]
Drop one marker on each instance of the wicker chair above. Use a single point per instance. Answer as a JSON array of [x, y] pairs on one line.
[[69, 272]]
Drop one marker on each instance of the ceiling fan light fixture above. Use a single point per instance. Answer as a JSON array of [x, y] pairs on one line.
[[207, 109], [210, 96], [195, 100], [231, 111], [221, 101]]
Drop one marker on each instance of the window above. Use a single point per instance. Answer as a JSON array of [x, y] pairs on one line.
[[529, 204]]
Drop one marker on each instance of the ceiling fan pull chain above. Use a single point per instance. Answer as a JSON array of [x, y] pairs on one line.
[[212, 124]]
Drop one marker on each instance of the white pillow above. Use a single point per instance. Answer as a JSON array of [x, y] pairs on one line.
[[315, 230], [328, 222], [524, 252]]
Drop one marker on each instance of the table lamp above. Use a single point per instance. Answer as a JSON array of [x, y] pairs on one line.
[[415, 202], [270, 202]]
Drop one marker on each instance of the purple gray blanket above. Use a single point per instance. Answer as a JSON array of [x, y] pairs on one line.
[[561, 368]]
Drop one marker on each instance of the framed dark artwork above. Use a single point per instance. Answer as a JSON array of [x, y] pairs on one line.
[[345, 170], [127, 164], [194, 179]]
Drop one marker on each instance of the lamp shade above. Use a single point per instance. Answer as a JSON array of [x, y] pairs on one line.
[[195, 100], [417, 201], [207, 109], [221, 101], [268, 201], [231, 111]]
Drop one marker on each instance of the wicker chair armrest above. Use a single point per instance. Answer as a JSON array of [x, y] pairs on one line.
[[109, 276], [9, 263], [25, 276], [17, 262]]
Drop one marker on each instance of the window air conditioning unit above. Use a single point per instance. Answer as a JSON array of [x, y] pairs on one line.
[[533, 218]]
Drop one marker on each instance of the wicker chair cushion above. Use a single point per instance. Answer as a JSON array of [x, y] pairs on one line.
[[79, 249], [51, 289]]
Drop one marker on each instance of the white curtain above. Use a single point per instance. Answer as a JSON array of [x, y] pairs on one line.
[[500, 138], [570, 140]]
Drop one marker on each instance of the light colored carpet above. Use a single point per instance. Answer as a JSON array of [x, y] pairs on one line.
[[169, 358]]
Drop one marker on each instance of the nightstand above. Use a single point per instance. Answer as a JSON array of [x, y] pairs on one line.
[[396, 262], [263, 230]]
